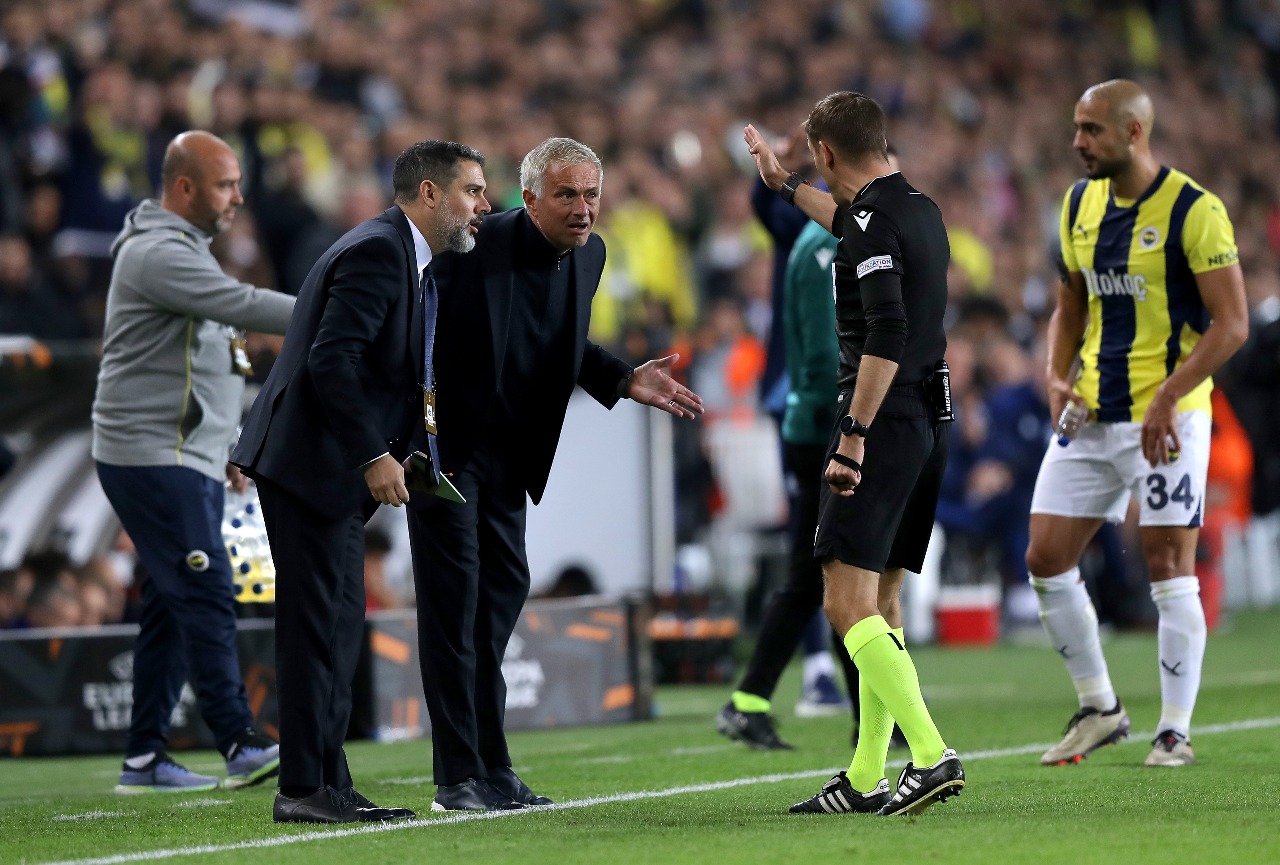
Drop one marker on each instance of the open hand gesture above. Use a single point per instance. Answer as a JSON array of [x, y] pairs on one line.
[[652, 384]]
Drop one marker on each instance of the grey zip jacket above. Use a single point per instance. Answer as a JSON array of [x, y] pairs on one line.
[[168, 393]]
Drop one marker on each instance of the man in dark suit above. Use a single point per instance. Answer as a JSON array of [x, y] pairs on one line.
[[513, 343], [325, 441]]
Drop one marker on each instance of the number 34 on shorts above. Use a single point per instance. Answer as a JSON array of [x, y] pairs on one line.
[[1098, 471]]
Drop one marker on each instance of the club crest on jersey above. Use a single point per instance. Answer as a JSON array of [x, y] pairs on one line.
[[1112, 283], [1149, 238], [879, 262], [198, 561]]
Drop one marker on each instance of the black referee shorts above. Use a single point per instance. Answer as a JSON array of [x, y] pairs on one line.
[[886, 523]]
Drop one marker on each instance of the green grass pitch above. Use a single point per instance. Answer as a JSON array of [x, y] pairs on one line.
[[672, 791]]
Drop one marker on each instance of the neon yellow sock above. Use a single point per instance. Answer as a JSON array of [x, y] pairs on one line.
[[744, 702], [875, 729], [884, 664]]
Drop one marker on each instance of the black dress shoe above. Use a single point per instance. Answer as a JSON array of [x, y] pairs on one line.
[[472, 795], [508, 783], [326, 805], [367, 812]]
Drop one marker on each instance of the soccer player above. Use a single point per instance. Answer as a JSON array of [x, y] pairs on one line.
[[887, 453], [1153, 303]]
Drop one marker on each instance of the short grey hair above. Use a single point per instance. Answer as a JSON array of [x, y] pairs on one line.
[[564, 151]]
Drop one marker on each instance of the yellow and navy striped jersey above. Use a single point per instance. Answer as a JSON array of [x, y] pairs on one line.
[[1139, 260]]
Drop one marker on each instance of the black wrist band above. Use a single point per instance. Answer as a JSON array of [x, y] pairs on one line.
[[845, 461], [788, 191]]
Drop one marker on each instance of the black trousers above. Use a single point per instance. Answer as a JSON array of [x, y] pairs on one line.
[[472, 579], [791, 607], [319, 629]]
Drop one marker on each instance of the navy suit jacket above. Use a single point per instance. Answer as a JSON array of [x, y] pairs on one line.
[[346, 387], [472, 340]]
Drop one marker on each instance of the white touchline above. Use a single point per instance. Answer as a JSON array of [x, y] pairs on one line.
[[88, 815], [203, 803], [284, 840]]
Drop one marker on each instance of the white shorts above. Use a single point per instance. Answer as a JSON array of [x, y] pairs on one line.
[[1094, 474]]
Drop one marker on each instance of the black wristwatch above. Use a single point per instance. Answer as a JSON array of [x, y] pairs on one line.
[[851, 427], [789, 187]]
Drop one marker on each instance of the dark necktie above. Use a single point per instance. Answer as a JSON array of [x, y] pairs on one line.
[[430, 303]]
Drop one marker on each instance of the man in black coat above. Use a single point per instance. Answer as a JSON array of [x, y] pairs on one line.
[[513, 343], [325, 441]]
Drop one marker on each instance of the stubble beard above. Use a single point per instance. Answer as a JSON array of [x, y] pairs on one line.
[[1107, 169]]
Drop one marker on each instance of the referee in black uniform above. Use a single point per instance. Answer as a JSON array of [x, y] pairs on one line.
[[889, 449]]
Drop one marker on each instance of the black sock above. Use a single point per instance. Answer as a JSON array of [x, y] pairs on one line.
[[299, 792]]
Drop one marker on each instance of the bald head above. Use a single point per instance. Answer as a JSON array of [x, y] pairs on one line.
[[1124, 102], [201, 180], [189, 153], [1113, 135]]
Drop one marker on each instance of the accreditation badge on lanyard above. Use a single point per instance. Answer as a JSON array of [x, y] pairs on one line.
[[429, 409]]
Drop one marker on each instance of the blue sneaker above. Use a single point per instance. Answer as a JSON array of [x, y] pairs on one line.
[[163, 775], [252, 758], [821, 698]]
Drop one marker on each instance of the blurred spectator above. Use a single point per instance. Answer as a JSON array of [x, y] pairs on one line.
[[28, 302], [573, 581], [15, 587], [728, 362], [285, 218], [958, 516], [1250, 381], [102, 592], [53, 604], [378, 592], [1008, 461], [110, 165], [54, 599], [40, 222], [360, 201], [648, 262], [732, 239]]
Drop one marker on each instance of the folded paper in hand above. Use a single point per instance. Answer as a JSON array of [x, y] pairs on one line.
[[421, 477]]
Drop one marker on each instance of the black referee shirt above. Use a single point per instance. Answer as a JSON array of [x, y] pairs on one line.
[[891, 262]]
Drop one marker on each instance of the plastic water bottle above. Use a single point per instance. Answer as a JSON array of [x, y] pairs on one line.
[[1070, 422], [245, 534]]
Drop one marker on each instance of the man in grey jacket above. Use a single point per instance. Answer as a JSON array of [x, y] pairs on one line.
[[168, 402]]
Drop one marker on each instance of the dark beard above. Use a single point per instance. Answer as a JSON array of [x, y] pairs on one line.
[[1106, 169]]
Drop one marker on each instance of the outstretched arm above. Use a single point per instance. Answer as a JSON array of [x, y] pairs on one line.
[[818, 205], [651, 383]]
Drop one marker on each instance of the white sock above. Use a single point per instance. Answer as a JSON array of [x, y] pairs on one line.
[[818, 664], [1181, 639], [1072, 625], [139, 761]]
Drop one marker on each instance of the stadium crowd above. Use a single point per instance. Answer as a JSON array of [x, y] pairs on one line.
[[318, 97]]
